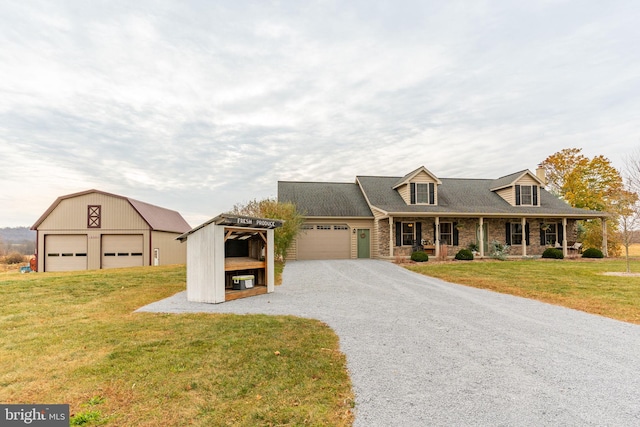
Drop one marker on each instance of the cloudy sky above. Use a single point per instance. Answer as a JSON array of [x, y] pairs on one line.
[[199, 105]]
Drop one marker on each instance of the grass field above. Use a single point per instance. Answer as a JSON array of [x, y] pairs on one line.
[[73, 338], [634, 250], [579, 284]]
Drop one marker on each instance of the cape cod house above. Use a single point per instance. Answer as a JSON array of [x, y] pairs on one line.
[[386, 217]]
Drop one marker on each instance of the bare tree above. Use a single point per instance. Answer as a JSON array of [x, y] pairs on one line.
[[629, 203]]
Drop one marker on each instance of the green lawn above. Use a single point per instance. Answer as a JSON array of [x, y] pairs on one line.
[[578, 284], [73, 338]]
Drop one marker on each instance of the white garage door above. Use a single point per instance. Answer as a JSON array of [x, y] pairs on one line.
[[65, 252], [324, 242], [121, 250]]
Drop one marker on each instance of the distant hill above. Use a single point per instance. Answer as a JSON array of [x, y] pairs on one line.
[[17, 239]]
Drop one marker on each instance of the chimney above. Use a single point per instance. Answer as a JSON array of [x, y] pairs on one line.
[[540, 173]]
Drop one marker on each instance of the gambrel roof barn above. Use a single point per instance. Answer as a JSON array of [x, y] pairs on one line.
[[94, 229]]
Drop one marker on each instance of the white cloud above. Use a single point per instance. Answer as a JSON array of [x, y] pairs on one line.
[[198, 105]]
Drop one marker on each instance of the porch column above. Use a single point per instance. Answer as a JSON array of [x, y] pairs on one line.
[[481, 232], [524, 237], [564, 237], [391, 242], [437, 239], [605, 251]]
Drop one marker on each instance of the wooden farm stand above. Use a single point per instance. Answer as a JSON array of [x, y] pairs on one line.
[[225, 247]]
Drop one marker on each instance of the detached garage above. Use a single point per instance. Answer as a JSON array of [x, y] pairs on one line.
[[93, 230]]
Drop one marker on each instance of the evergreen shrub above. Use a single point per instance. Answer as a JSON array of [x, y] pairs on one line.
[[552, 253], [592, 253], [420, 256], [464, 255]]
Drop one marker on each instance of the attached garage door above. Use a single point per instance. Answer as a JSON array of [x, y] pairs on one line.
[[65, 252], [324, 242], [121, 250]]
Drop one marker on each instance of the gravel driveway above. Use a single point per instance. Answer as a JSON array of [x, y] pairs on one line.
[[424, 352]]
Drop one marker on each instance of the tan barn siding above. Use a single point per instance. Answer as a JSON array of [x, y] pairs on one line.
[[172, 251], [116, 213]]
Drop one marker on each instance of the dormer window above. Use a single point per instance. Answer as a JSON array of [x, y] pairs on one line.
[[526, 195], [422, 194]]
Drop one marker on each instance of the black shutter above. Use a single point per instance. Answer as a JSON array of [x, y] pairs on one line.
[[507, 237], [418, 233], [413, 193], [517, 195], [432, 193], [542, 242], [398, 234], [560, 236], [534, 189], [526, 231], [455, 234]]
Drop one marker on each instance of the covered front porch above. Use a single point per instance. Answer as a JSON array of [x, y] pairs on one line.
[[443, 236]]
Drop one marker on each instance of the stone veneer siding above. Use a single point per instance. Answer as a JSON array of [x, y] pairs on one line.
[[467, 234]]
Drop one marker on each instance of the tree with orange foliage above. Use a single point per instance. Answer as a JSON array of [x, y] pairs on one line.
[[589, 184]]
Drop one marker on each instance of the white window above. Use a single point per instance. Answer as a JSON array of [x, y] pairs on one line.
[[516, 233], [408, 233], [422, 193], [446, 233], [550, 234], [525, 195], [323, 227], [340, 227]]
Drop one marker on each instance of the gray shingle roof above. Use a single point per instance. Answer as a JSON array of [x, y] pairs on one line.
[[455, 196], [463, 196], [325, 198]]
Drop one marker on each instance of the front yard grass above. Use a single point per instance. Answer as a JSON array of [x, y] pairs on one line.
[[578, 284], [73, 338]]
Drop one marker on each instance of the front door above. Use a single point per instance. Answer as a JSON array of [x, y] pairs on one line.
[[364, 243]]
